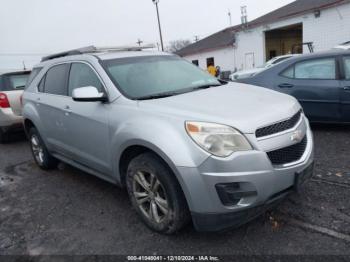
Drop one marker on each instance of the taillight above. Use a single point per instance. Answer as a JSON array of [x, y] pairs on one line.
[[21, 100], [4, 102]]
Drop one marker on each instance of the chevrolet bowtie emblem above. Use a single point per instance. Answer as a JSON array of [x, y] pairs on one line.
[[297, 136]]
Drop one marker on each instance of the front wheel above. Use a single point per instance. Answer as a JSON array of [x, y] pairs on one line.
[[40, 153], [156, 194]]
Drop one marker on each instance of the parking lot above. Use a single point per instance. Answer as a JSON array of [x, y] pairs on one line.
[[69, 212]]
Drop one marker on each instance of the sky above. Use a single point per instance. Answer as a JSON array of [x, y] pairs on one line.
[[30, 29]]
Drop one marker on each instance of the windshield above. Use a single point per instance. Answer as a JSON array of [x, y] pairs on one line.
[[140, 77]]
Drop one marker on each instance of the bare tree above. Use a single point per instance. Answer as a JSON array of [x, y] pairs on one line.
[[176, 45]]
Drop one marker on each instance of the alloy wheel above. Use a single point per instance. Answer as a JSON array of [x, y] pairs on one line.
[[150, 196], [37, 148]]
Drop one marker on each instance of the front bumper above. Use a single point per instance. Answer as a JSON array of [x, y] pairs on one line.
[[223, 221], [253, 172]]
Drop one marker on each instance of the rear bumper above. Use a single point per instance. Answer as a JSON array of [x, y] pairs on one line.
[[9, 121]]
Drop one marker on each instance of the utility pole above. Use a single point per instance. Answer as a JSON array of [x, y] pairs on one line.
[[160, 28], [229, 17], [244, 17], [139, 42]]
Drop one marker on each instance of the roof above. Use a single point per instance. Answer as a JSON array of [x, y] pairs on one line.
[[126, 54], [100, 55], [320, 54], [220, 39], [14, 72], [226, 37], [296, 8]]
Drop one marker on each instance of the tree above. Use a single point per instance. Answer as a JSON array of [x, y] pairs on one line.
[[176, 45]]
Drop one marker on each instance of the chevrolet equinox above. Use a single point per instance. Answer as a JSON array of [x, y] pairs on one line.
[[185, 145]]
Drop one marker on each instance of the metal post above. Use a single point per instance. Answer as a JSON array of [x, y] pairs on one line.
[[160, 28]]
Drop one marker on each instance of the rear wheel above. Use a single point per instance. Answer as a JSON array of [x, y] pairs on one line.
[[40, 153], [156, 194], [4, 137]]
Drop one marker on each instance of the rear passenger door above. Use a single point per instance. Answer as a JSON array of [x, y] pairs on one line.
[[345, 90], [50, 102], [315, 83], [86, 123]]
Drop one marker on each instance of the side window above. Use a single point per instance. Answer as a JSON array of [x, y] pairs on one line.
[[289, 73], [347, 68], [81, 75], [324, 68], [41, 84], [56, 80]]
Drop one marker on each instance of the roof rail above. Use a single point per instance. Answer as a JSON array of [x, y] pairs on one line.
[[94, 49]]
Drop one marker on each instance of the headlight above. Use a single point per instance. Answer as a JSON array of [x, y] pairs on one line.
[[219, 140]]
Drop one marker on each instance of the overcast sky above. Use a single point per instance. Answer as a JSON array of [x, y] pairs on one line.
[[46, 26]]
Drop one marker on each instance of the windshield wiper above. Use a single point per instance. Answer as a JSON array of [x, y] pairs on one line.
[[156, 96], [174, 93], [203, 87]]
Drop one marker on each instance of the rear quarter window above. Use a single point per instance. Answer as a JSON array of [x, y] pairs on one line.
[[32, 76]]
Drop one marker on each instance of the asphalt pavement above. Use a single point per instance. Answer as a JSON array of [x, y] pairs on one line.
[[67, 211]]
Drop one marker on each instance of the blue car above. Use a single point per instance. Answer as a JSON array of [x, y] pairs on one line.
[[320, 81]]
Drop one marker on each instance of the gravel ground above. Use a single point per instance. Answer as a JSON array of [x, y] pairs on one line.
[[67, 211]]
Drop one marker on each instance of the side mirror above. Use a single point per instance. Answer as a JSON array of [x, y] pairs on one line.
[[88, 94]]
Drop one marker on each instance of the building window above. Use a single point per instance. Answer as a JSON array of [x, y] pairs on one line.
[[273, 53], [210, 61], [195, 62]]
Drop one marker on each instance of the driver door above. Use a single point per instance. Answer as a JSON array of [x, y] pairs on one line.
[[87, 122]]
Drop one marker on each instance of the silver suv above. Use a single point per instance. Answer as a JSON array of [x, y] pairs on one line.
[[184, 144]]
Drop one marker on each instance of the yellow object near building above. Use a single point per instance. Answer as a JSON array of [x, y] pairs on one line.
[[212, 70]]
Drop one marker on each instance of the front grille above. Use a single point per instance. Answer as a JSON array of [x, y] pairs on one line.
[[288, 154], [279, 127]]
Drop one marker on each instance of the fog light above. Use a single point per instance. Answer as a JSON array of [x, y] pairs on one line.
[[230, 194]]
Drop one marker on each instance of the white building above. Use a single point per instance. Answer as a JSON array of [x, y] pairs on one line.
[[325, 23]]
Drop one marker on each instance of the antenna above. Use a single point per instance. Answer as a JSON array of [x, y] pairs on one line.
[[244, 17], [24, 66], [196, 38], [229, 17]]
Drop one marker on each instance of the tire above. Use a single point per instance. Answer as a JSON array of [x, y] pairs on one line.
[[4, 138], [169, 212], [40, 153]]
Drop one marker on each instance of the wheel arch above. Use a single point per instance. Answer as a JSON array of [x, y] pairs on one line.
[[132, 150], [28, 124]]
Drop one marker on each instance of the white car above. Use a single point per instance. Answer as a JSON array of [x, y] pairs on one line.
[[11, 89], [251, 72]]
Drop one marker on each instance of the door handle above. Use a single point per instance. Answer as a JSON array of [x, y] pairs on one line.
[[285, 85], [346, 88], [67, 110]]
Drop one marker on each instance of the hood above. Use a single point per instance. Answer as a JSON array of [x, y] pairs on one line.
[[250, 71], [241, 106]]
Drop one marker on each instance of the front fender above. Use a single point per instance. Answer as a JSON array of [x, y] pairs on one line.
[[166, 138]]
